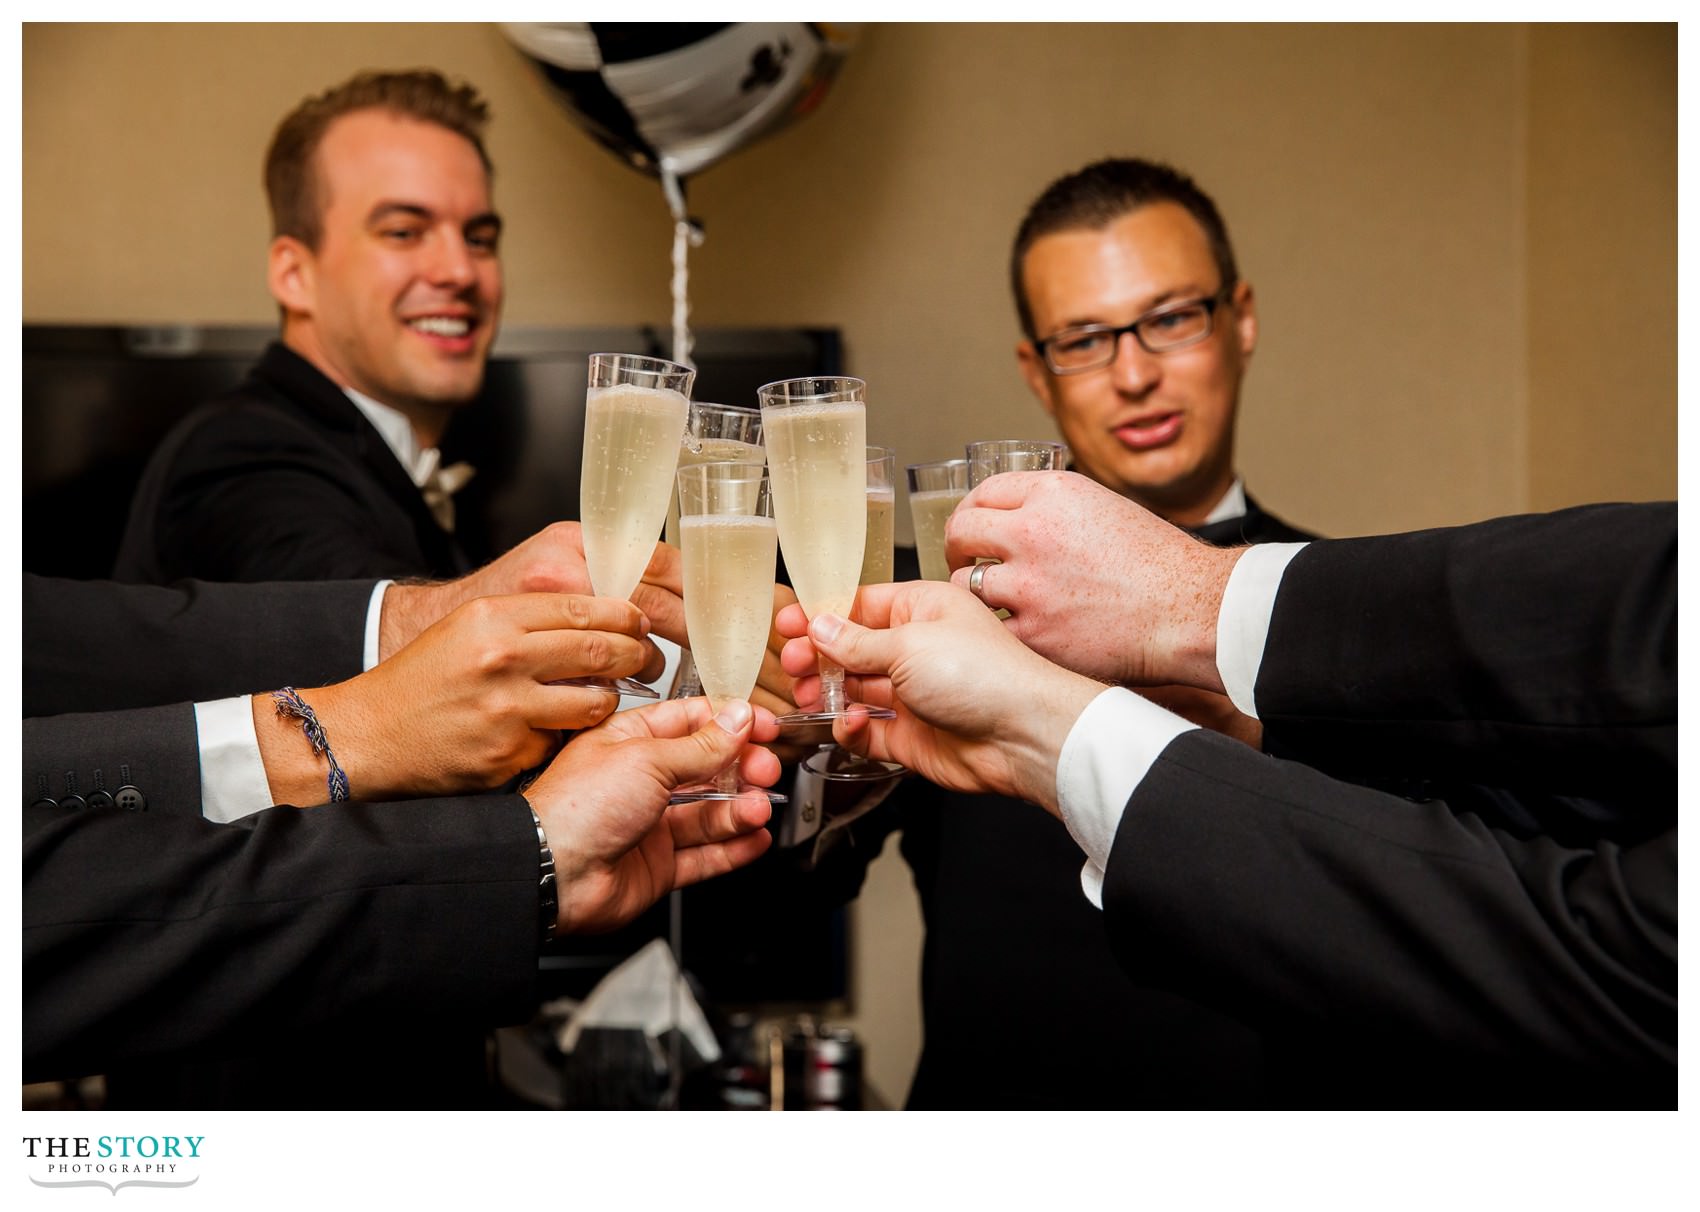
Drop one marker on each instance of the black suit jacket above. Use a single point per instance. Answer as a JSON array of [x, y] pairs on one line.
[[1466, 961], [100, 646], [1023, 1002], [155, 932], [281, 479], [154, 936]]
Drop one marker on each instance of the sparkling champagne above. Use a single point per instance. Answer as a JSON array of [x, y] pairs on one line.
[[631, 450], [729, 564], [817, 463], [931, 509], [714, 450], [876, 549]]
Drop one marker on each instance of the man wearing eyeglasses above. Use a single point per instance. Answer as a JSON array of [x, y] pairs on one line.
[[1137, 331]]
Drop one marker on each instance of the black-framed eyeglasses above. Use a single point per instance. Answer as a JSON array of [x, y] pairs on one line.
[[1161, 330]]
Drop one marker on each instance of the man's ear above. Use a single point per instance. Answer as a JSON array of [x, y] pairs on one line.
[[290, 275], [1038, 378], [1245, 319]]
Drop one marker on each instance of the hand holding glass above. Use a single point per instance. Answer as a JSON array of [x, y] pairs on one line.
[[987, 459]]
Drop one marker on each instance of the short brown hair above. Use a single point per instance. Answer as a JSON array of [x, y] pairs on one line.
[[1103, 192], [292, 186]]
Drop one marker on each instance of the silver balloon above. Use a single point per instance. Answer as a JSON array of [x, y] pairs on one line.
[[672, 99]]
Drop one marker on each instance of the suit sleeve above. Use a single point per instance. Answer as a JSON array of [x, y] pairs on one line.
[[1534, 652], [1531, 653], [103, 646], [152, 749], [1278, 894], [145, 933]]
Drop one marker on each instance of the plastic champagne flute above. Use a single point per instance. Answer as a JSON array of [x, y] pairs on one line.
[[987, 459], [816, 435], [833, 761], [634, 416], [878, 553], [714, 433], [730, 544], [934, 491]]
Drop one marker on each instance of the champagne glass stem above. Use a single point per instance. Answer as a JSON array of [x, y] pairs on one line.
[[831, 686], [729, 779], [689, 685]]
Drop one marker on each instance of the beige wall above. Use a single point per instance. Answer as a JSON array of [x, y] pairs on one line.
[[1602, 277], [1462, 238]]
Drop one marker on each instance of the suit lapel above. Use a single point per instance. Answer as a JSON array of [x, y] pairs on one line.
[[288, 374]]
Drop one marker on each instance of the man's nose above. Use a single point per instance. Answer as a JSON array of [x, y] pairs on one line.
[[452, 263], [1134, 371]]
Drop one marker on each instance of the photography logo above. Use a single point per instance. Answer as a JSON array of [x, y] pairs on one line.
[[113, 1162]]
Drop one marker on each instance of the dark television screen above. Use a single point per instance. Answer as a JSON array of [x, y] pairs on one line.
[[96, 400]]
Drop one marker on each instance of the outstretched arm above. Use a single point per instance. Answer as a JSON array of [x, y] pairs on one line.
[[148, 933]]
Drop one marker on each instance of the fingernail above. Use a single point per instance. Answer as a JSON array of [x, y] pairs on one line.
[[733, 717], [643, 625], [825, 628]]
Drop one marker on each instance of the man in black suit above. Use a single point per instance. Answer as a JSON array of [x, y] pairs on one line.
[[384, 264], [1510, 967], [157, 928], [1137, 332]]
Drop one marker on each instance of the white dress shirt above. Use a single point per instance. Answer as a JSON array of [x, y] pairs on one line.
[[1232, 504], [397, 432]]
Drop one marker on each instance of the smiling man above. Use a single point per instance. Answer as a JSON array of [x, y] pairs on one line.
[[323, 463]]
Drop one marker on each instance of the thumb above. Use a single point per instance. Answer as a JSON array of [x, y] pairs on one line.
[[859, 649], [707, 751]]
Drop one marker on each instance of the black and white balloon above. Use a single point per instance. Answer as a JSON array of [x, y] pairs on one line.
[[672, 99]]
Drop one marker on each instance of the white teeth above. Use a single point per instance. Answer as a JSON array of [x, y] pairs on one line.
[[441, 326]]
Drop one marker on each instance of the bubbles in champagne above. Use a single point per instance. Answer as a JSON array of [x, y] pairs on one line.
[[817, 456], [631, 448]]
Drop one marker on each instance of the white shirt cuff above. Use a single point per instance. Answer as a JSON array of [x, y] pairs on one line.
[[374, 616], [1107, 755], [233, 778], [1242, 625]]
